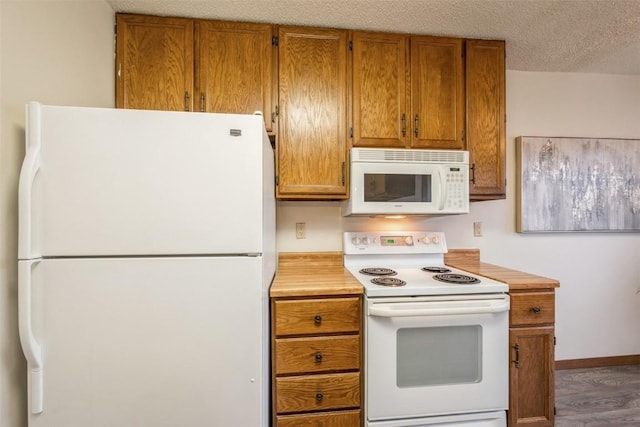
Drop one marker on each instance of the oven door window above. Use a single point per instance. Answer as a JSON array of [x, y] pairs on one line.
[[397, 188], [439, 356]]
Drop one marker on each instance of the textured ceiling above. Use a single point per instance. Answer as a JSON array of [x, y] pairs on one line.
[[585, 36]]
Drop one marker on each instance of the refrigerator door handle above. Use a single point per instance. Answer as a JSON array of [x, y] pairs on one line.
[[30, 168], [30, 347]]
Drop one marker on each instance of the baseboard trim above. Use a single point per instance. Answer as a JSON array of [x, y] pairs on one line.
[[598, 362]]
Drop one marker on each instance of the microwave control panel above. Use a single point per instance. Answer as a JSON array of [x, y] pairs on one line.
[[456, 188]]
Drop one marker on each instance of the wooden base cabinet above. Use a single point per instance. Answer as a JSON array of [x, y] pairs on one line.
[[531, 375], [316, 362]]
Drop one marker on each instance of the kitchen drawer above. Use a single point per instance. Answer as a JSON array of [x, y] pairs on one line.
[[532, 308], [333, 419], [317, 392], [317, 316], [317, 354]]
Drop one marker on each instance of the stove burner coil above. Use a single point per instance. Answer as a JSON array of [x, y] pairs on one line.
[[436, 269], [388, 281], [462, 279], [377, 271]]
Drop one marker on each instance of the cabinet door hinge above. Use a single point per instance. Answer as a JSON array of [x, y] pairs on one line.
[[555, 411], [274, 115], [350, 45], [554, 340], [277, 180], [343, 172], [350, 132], [274, 41]]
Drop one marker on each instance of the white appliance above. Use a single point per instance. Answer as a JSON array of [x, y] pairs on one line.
[[408, 182], [436, 339], [146, 250]]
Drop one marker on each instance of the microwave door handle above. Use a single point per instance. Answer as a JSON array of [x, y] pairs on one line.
[[443, 189], [390, 311]]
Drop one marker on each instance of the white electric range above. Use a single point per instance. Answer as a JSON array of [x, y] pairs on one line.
[[409, 264], [436, 338]]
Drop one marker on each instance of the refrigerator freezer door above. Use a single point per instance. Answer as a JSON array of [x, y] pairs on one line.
[[100, 181], [167, 341]]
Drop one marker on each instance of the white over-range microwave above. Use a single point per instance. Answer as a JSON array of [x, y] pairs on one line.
[[388, 182]]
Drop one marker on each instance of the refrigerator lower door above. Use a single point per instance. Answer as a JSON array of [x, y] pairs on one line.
[[165, 341]]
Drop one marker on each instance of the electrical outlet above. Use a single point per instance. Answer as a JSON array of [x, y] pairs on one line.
[[477, 229], [301, 230]]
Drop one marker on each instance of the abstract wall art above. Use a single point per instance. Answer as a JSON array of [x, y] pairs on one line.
[[577, 184]]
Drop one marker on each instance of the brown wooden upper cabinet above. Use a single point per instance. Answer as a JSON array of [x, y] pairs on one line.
[[154, 63], [397, 90], [232, 64], [235, 68], [311, 149], [486, 118], [408, 91]]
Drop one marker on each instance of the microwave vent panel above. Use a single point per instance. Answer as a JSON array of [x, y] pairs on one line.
[[410, 156]]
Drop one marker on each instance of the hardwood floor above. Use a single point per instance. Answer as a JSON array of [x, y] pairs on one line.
[[598, 397]]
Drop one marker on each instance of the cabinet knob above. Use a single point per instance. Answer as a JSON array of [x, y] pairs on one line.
[[319, 397], [317, 319], [318, 357], [536, 310]]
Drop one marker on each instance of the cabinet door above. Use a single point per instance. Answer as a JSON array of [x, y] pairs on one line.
[[437, 92], [154, 63], [486, 120], [531, 385], [380, 114], [311, 149], [235, 68]]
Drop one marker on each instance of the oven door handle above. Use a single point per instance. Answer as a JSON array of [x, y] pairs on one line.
[[437, 309]]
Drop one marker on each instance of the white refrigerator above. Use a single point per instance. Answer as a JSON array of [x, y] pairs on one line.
[[146, 251]]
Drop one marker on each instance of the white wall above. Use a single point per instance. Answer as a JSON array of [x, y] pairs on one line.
[[55, 52], [597, 305]]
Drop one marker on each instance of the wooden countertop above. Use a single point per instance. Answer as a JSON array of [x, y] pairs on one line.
[[469, 260], [309, 274]]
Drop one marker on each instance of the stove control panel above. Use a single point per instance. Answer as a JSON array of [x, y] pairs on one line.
[[396, 242]]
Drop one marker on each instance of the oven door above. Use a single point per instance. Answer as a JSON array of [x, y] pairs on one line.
[[428, 356]]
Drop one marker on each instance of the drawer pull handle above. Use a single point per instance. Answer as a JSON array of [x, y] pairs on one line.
[[317, 319], [319, 397], [318, 357], [536, 310]]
